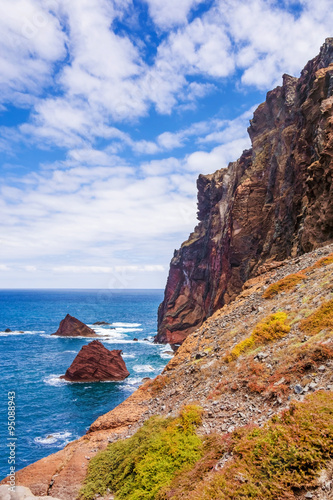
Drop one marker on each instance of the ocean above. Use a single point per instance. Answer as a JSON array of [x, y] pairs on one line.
[[49, 411]]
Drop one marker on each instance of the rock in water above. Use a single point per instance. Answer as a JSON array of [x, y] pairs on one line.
[[95, 363], [73, 327], [272, 203]]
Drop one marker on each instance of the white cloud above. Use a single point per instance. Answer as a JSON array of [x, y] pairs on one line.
[[206, 162], [31, 42], [170, 13]]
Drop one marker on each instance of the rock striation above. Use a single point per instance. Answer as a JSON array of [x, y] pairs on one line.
[[73, 327], [95, 363], [275, 201]]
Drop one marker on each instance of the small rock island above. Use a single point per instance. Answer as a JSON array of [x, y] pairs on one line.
[[95, 363], [73, 327]]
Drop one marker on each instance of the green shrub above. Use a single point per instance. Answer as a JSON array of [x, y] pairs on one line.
[[283, 285], [267, 463], [270, 328], [138, 467], [319, 320]]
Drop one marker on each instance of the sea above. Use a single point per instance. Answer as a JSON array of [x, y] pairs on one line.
[[51, 412]]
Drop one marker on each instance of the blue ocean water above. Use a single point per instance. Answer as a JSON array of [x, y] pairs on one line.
[[51, 412]]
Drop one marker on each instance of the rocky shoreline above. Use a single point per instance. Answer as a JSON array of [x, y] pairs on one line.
[[197, 374]]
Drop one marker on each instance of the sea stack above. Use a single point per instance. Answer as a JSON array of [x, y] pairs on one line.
[[95, 363], [73, 327]]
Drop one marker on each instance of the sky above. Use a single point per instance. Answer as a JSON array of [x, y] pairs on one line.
[[109, 111]]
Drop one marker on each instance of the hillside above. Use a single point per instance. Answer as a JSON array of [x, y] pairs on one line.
[[237, 386]]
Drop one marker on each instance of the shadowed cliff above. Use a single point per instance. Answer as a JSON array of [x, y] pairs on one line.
[[275, 201]]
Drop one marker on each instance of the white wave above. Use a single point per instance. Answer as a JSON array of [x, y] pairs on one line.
[[123, 341], [143, 368], [113, 333], [58, 437], [127, 330], [166, 352], [166, 355], [55, 380], [72, 352], [19, 332], [126, 325], [128, 356]]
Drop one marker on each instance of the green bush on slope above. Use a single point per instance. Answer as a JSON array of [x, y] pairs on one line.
[[138, 467], [267, 463]]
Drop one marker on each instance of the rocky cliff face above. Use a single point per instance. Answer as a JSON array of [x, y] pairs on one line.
[[73, 327], [95, 363], [275, 201]]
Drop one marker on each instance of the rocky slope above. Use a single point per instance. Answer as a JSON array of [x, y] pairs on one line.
[[95, 363], [274, 202], [250, 387], [73, 327]]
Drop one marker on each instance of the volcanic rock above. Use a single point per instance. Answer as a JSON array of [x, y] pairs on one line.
[[7, 330], [272, 203], [20, 493], [95, 363], [73, 327]]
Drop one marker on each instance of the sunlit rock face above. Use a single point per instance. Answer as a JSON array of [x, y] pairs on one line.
[[275, 201], [95, 363]]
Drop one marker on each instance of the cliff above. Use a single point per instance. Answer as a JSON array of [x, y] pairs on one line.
[[260, 372], [95, 363], [274, 202]]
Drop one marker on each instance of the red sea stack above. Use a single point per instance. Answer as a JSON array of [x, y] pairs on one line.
[[95, 363], [73, 327]]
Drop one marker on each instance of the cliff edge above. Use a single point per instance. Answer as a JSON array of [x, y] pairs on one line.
[[275, 201]]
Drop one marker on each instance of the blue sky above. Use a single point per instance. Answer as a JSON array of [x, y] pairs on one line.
[[110, 109]]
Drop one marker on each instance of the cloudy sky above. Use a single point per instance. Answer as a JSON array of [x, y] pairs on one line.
[[109, 110]]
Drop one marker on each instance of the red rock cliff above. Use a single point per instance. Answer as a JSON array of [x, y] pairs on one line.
[[275, 201]]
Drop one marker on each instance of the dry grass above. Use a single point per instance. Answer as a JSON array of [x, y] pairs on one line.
[[284, 285], [319, 320]]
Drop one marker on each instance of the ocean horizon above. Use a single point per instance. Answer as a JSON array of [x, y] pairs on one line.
[[51, 412]]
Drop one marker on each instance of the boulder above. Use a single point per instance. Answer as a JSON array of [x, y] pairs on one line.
[[95, 363], [20, 493], [73, 327]]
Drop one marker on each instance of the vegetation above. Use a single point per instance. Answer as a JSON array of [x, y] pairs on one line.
[[321, 319], [284, 285], [138, 467], [270, 328], [324, 261], [265, 463]]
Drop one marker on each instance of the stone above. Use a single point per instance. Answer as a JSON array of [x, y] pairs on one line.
[[95, 363], [308, 495], [20, 493], [246, 223], [322, 368], [73, 327], [298, 389], [8, 330]]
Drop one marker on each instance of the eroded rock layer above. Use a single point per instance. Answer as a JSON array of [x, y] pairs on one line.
[[275, 201], [95, 363]]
